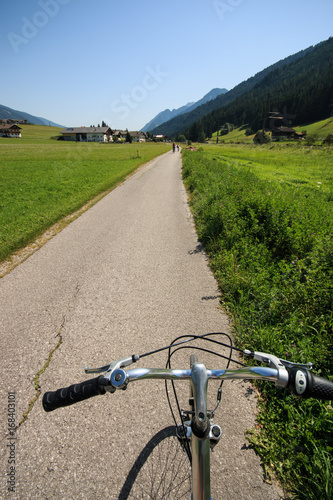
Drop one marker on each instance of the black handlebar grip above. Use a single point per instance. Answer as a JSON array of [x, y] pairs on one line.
[[320, 388], [73, 394], [302, 383]]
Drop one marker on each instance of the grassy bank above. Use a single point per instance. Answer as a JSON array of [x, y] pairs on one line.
[[42, 180], [265, 218]]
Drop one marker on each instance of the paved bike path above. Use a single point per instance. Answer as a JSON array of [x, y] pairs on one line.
[[127, 276]]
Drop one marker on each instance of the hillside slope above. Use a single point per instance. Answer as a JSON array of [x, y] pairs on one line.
[[179, 124], [13, 114], [167, 115], [301, 91]]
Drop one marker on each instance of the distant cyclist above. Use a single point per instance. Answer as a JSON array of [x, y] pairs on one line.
[[173, 147]]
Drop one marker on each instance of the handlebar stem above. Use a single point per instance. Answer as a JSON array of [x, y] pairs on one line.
[[199, 383]]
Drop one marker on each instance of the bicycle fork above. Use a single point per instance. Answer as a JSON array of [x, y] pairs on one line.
[[200, 432]]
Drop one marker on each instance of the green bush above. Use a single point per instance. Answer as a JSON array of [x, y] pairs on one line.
[[328, 141], [311, 139], [271, 250], [261, 138]]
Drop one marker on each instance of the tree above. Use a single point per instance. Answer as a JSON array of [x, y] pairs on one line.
[[128, 137], [182, 138], [261, 138], [328, 141], [194, 131], [311, 139], [201, 137], [104, 124]]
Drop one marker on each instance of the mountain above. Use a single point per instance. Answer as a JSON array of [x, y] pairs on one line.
[[299, 92], [167, 115], [13, 114], [178, 124]]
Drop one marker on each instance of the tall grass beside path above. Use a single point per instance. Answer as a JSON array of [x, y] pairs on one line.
[[44, 181], [270, 243]]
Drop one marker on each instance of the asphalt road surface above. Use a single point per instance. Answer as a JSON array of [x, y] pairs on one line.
[[127, 276]]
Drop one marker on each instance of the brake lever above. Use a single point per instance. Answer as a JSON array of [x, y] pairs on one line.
[[120, 363], [272, 361], [266, 358], [290, 364]]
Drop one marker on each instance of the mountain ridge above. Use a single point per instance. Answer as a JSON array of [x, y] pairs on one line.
[[7, 113], [167, 114]]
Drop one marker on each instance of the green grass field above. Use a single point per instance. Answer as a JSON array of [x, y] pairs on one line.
[[44, 180], [320, 129], [291, 164], [265, 217], [36, 133]]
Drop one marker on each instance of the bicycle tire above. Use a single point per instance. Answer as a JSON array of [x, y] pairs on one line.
[[162, 470]]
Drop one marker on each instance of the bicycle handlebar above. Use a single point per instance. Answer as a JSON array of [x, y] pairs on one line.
[[73, 394], [303, 383], [300, 382]]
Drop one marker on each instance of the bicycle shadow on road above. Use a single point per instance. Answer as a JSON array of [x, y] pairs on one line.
[[149, 474]]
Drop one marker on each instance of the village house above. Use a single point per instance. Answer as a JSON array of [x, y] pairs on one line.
[[138, 136], [7, 121], [10, 130], [285, 133], [87, 134], [161, 137], [119, 135]]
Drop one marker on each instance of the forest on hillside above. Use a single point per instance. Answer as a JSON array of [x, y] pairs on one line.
[[302, 91], [300, 87]]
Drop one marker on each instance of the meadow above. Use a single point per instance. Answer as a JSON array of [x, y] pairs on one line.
[[264, 215], [318, 130], [43, 180]]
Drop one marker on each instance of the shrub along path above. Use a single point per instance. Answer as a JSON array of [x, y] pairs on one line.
[[270, 243]]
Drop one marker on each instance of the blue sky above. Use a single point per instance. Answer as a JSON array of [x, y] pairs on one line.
[[78, 62]]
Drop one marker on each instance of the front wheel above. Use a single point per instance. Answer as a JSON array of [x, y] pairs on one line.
[[161, 471]]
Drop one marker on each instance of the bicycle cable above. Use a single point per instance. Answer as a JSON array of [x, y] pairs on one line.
[[178, 345]]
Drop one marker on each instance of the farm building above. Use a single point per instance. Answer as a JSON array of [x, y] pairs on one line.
[[119, 135], [87, 134], [138, 136], [285, 133], [10, 130], [161, 137]]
